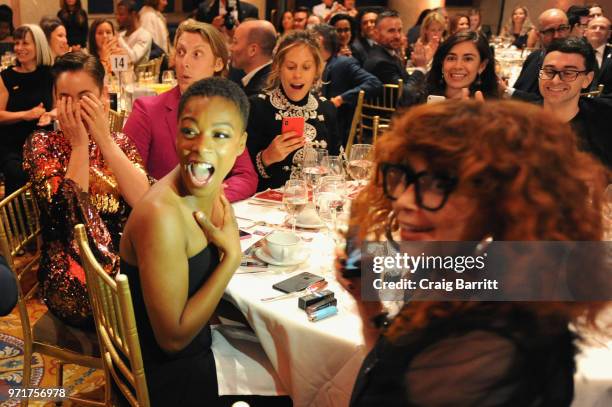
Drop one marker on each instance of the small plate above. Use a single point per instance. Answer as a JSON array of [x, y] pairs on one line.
[[261, 254], [308, 225]]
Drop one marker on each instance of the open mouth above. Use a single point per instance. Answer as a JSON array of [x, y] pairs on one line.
[[297, 86], [458, 76], [553, 90], [200, 172]]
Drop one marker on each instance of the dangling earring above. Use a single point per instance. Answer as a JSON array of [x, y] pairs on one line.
[[390, 225], [478, 81], [442, 83]]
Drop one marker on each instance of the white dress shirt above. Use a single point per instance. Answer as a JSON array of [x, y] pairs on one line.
[[137, 45], [154, 22], [599, 54], [247, 78], [322, 10]]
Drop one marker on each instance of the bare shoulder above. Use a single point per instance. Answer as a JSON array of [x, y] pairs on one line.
[[156, 221]]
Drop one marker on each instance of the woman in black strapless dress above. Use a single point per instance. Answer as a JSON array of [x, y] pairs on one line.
[[180, 247]]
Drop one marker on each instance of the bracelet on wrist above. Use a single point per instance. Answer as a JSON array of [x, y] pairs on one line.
[[261, 168]]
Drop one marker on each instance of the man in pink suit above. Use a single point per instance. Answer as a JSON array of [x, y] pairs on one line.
[[153, 123]]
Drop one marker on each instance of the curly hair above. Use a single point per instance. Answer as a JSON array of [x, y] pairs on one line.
[[519, 164], [286, 43]]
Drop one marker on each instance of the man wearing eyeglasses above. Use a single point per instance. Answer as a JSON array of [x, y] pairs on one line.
[[598, 35], [568, 69], [552, 24]]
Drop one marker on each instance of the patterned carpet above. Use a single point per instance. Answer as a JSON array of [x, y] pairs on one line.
[[77, 379]]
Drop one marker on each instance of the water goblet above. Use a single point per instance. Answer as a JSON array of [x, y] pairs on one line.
[[295, 198], [360, 162]]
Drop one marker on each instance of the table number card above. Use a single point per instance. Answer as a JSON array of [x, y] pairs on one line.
[[119, 63]]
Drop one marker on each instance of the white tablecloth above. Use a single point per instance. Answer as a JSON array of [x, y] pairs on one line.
[[318, 362]]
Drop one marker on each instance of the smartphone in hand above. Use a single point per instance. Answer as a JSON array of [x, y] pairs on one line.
[[293, 124]]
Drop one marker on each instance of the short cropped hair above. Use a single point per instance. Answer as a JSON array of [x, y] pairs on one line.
[[330, 37], [575, 45], [386, 14], [79, 61], [131, 5], [217, 86]]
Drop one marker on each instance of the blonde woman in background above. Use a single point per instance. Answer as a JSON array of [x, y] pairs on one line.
[[518, 27], [433, 32]]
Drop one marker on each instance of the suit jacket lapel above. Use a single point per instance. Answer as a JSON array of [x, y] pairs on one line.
[[171, 108]]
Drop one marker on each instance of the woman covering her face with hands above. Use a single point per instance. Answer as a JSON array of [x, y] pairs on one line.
[[82, 173]]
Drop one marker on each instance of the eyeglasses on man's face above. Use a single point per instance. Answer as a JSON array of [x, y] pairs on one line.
[[562, 29], [431, 189], [566, 75]]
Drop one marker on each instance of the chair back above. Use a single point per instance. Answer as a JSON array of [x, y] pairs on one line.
[[115, 119], [355, 123], [20, 228], [383, 106], [115, 320], [149, 69], [594, 93]]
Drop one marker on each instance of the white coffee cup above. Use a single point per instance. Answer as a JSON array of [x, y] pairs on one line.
[[283, 246]]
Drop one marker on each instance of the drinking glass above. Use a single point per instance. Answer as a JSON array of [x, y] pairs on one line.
[[295, 198], [168, 77], [333, 164], [359, 162], [330, 200], [312, 169]]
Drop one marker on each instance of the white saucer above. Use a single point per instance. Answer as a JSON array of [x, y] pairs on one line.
[[309, 225], [261, 254]]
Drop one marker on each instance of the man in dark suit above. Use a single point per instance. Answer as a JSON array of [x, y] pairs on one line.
[[568, 68], [343, 78], [552, 24], [384, 61], [598, 34], [251, 48], [364, 42], [214, 11]]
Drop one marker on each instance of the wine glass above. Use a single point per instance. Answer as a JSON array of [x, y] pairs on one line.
[[333, 164], [330, 201], [295, 198], [359, 162], [168, 77]]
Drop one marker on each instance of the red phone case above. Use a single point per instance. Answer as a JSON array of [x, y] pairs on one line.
[[293, 124]]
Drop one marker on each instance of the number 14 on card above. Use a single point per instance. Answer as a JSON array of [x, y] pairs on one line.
[[119, 63]]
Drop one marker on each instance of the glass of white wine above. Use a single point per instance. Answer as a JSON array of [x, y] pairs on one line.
[[295, 198], [360, 162]]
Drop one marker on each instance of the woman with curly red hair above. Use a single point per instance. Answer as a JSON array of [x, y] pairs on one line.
[[467, 171]]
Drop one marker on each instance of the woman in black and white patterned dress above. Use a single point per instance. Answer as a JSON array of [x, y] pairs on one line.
[[296, 69]]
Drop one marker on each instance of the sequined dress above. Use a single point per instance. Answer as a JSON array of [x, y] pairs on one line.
[[63, 205]]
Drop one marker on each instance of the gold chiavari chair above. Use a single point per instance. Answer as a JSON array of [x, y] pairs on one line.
[[594, 93], [116, 325], [19, 230], [149, 69], [115, 120], [373, 114]]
